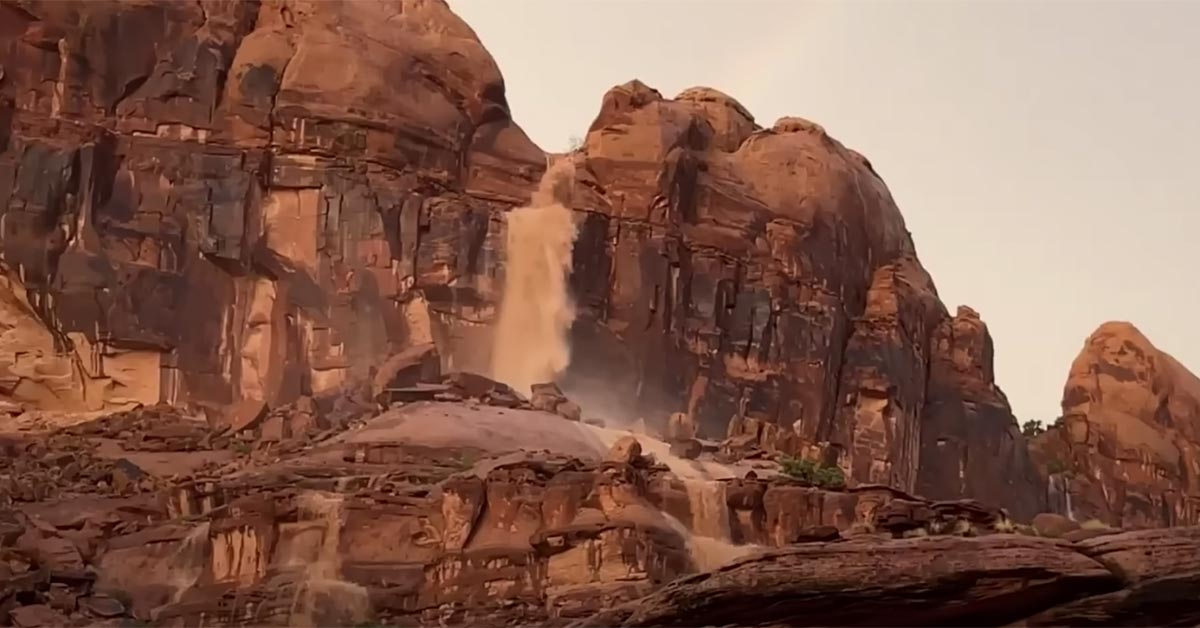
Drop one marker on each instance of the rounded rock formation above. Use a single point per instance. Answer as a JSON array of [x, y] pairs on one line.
[[1127, 448]]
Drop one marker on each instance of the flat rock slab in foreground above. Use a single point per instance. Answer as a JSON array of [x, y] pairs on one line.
[[994, 580]]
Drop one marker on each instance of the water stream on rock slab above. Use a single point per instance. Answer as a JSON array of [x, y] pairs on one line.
[[1067, 492], [683, 468], [1059, 489], [708, 539], [710, 513], [190, 561], [536, 310], [322, 598]]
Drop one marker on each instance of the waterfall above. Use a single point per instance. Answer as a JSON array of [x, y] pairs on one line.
[[1058, 492], [322, 598], [1067, 491], [536, 310], [190, 561], [709, 539], [710, 512]]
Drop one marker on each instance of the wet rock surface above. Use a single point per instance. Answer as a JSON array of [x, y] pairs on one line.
[[381, 522]]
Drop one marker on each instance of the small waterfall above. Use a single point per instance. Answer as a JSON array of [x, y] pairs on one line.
[[709, 540], [1058, 492], [710, 512], [322, 598], [190, 561], [1067, 491]]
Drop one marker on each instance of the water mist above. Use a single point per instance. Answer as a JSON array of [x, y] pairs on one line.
[[536, 310]]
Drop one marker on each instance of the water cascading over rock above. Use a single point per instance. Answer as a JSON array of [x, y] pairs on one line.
[[536, 310], [323, 597]]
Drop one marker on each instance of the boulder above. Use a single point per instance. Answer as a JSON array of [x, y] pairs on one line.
[[37, 616], [101, 606], [627, 450], [473, 385], [1053, 525], [416, 365], [687, 449], [680, 426], [546, 397], [126, 475], [569, 410], [245, 415]]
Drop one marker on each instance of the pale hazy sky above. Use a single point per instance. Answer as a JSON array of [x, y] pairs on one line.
[[1046, 155]]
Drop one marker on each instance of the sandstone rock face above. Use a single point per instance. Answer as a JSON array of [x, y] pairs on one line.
[[264, 200], [157, 518], [1127, 448], [991, 581], [222, 200], [219, 527], [765, 275]]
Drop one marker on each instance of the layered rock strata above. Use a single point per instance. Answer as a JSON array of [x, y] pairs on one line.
[[948, 581], [155, 518]]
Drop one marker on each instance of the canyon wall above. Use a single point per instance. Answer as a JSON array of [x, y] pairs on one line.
[[1125, 450], [212, 201], [208, 202]]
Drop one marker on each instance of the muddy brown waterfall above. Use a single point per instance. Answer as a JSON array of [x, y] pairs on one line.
[[536, 310]]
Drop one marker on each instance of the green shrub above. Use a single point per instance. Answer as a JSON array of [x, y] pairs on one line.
[[830, 477], [810, 472], [1032, 428], [798, 468]]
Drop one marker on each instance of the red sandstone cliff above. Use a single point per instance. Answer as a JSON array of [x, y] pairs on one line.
[[215, 202], [206, 202], [1126, 448]]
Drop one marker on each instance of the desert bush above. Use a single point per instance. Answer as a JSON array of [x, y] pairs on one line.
[[812, 473], [1032, 428]]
